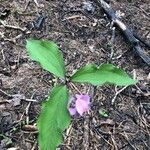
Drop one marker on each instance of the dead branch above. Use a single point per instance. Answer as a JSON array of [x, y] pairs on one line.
[[133, 40]]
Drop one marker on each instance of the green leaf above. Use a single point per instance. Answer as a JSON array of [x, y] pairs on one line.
[[103, 113], [53, 119], [106, 73], [48, 55]]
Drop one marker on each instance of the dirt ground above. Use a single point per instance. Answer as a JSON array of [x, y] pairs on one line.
[[84, 36]]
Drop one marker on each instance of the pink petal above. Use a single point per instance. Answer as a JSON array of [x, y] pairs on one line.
[[72, 111], [82, 104], [82, 107], [83, 97]]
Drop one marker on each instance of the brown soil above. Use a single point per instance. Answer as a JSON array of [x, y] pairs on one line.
[[83, 37]]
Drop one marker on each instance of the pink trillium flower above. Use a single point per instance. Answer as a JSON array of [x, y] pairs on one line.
[[80, 104]]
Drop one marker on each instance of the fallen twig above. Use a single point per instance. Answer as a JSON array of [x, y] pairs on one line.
[[12, 27], [117, 93], [20, 96], [133, 40]]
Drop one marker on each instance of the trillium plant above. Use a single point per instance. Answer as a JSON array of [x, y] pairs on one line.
[[57, 110]]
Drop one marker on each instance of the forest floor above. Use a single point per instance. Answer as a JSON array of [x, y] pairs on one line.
[[84, 37]]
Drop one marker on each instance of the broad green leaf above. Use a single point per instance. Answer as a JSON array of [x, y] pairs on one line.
[[48, 55], [106, 73], [53, 119]]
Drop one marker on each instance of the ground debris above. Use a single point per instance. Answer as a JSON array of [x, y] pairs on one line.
[[84, 35]]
